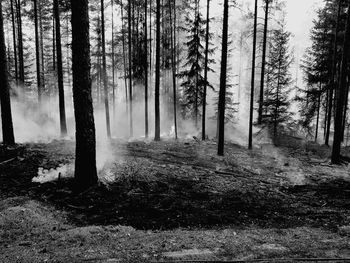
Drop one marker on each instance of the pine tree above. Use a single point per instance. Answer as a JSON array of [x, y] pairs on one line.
[[277, 102], [193, 78]]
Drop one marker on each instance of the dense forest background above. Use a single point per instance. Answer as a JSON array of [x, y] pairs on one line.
[[193, 68]]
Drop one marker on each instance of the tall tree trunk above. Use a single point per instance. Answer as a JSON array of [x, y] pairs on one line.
[[14, 40], [173, 64], [223, 78], [113, 60], [85, 161], [37, 51], [104, 65], [130, 71], [318, 111], [20, 42], [197, 62], [146, 72], [41, 47], [250, 139], [61, 98], [332, 80], [263, 64], [205, 73], [156, 93], [346, 101], [338, 123], [124, 58], [6, 116]]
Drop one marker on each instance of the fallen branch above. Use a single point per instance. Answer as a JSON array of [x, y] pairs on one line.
[[7, 161]]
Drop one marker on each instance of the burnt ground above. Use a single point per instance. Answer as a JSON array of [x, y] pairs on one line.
[[170, 185]]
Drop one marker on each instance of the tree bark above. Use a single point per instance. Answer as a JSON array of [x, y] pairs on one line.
[[124, 58], [37, 51], [85, 162], [61, 98], [6, 115], [130, 71], [263, 64], [156, 94], [20, 42], [173, 63], [104, 65], [205, 74], [338, 123], [113, 60], [223, 77], [146, 72], [250, 139], [14, 40]]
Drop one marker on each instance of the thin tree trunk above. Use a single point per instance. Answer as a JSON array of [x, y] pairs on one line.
[[173, 63], [41, 48], [263, 64], [104, 74], [205, 74], [346, 101], [318, 111], [223, 77], [62, 107], [124, 59], [338, 123], [130, 72], [332, 80], [85, 161], [37, 51], [6, 115], [197, 62], [250, 139], [53, 43], [14, 40], [20, 42], [113, 60], [146, 73], [156, 94]]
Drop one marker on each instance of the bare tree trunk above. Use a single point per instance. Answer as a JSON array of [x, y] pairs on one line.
[[113, 59], [318, 111], [263, 64], [338, 123], [250, 139], [104, 65], [85, 161], [197, 62], [156, 95], [223, 77], [6, 115], [130, 72], [60, 71], [20, 42], [42, 48], [146, 73], [205, 73], [332, 82], [14, 40], [124, 58], [173, 63], [37, 51]]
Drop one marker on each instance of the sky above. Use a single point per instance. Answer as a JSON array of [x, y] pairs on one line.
[[300, 14]]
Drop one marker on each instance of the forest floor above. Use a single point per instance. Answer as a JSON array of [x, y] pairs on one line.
[[176, 201]]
